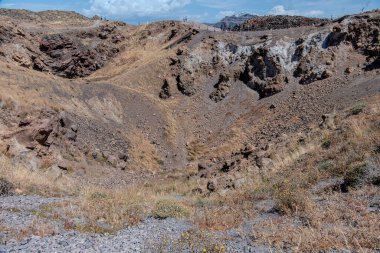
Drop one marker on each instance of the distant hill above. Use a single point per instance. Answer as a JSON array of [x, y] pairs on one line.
[[231, 22], [42, 16], [259, 23]]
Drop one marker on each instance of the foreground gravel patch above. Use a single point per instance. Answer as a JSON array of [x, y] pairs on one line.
[[135, 239], [150, 236], [25, 202]]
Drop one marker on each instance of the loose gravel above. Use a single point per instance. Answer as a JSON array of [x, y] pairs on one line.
[[152, 235]]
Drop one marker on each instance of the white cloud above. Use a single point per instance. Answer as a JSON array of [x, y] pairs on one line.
[[133, 8], [281, 10], [314, 13], [223, 14]]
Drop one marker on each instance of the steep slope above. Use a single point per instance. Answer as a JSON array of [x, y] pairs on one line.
[[228, 129], [227, 82]]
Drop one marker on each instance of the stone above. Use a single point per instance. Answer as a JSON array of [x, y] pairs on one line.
[[54, 173], [165, 90], [327, 73], [328, 122], [185, 85], [202, 166], [6, 187], [64, 120], [197, 190], [42, 135], [222, 89], [124, 157], [112, 160], [228, 166], [62, 164], [348, 70], [74, 128], [336, 37], [264, 163], [211, 186], [238, 183]]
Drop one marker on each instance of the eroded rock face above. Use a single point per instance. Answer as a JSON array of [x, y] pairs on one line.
[[66, 54], [336, 37], [61, 140], [310, 72], [165, 90], [222, 89], [364, 33], [278, 22], [185, 84], [262, 73]]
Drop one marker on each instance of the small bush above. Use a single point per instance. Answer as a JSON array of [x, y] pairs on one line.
[[98, 195], [326, 144], [325, 165], [357, 109], [290, 198], [170, 209], [377, 149], [353, 178], [6, 187]]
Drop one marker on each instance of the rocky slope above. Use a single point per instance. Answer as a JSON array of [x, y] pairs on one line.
[[260, 23], [115, 105]]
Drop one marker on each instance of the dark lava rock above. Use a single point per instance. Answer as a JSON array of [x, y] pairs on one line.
[[278, 22], [185, 85], [336, 37], [6, 187], [222, 89], [165, 90]]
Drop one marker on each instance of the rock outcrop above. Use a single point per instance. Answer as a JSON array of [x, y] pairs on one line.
[[222, 89], [278, 22], [262, 73], [65, 54]]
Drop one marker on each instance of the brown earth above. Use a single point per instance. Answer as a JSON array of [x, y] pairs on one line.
[[115, 104], [222, 90]]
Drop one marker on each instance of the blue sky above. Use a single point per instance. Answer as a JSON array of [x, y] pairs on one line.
[[136, 11]]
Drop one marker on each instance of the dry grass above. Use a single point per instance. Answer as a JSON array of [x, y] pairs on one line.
[[38, 182], [337, 221], [342, 222], [220, 218], [104, 210], [36, 228], [170, 209], [130, 205], [311, 220], [142, 152], [308, 221]]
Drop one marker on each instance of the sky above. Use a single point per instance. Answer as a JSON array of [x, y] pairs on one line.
[[140, 11]]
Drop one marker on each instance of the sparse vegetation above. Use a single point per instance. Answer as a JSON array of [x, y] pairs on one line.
[[170, 209], [357, 109], [127, 132]]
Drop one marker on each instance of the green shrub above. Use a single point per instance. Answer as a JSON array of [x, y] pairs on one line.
[[170, 209], [326, 144], [326, 164], [357, 109], [353, 178]]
